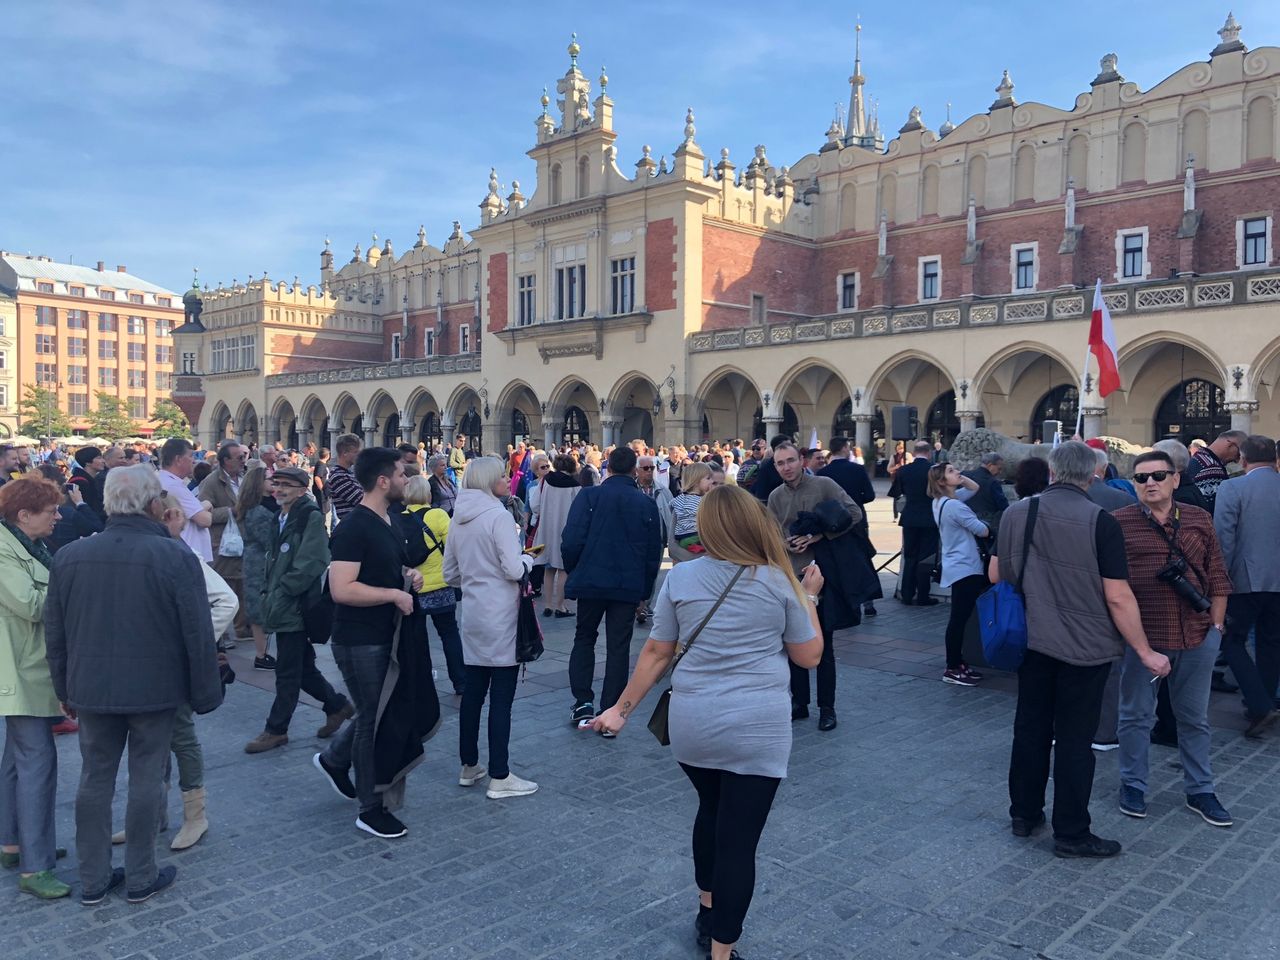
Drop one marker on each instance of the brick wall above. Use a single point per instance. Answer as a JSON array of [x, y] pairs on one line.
[[659, 265], [294, 352], [737, 264], [498, 279]]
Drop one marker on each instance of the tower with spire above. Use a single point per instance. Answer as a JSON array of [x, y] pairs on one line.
[[862, 129]]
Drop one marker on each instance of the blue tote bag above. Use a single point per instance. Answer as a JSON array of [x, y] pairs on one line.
[[1002, 613]]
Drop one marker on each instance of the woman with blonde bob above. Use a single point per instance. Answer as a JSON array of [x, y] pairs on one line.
[[730, 712]]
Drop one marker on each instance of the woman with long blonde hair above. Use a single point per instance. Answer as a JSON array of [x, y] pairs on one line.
[[730, 710]]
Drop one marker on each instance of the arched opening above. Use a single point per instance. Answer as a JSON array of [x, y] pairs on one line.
[[813, 394], [843, 424], [576, 428], [519, 427], [1061, 403], [471, 427], [555, 183], [978, 180], [247, 425], [889, 197], [1195, 139], [727, 401], [942, 425], [391, 430], [1078, 161], [429, 431], [789, 427], [848, 206], [584, 177], [1133, 154], [1260, 129], [1024, 173], [918, 382], [357, 426], [929, 192], [1193, 409], [1013, 385]]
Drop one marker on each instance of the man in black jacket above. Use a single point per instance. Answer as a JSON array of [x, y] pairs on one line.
[[919, 532], [126, 685], [612, 549], [766, 478], [853, 479], [989, 502], [89, 463]]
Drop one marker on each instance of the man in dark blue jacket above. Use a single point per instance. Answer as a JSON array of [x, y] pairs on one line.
[[919, 532], [612, 549], [853, 479]]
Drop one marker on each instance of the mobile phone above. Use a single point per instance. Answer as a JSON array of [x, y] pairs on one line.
[[68, 487], [535, 549]]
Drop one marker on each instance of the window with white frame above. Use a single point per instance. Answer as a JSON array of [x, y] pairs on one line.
[[526, 299], [106, 349], [218, 356], [1132, 254], [77, 374], [78, 404], [1253, 241], [4, 395], [46, 374], [137, 379], [43, 286], [138, 408], [429, 344], [4, 359], [847, 291], [248, 352], [929, 277], [571, 281], [759, 309], [464, 339], [137, 352], [137, 327], [1024, 267], [164, 381], [622, 285], [76, 347], [395, 346], [106, 377], [164, 353]]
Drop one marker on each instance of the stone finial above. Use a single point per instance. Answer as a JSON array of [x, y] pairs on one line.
[[913, 121], [1229, 36], [422, 237], [545, 101], [645, 165], [1107, 72], [1004, 93], [947, 125], [386, 248], [662, 164], [493, 181], [604, 80], [574, 50], [358, 254], [457, 231], [689, 128]]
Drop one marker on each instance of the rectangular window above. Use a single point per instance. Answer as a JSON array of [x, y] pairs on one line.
[[106, 349], [77, 375], [248, 353], [1133, 258], [135, 298], [4, 395], [164, 302], [106, 377], [137, 353], [164, 381], [78, 404], [4, 359], [525, 296], [164, 353], [137, 326], [217, 356], [571, 281], [758, 311], [106, 294], [46, 343], [848, 291], [429, 344], [46, 317], [138, 408], [464, 339], [46, 373], [107, 323], [43, 287], [930, 279], [395, 346], [77, 320], [77, 347], [76, 291], [136, 379], [3, 331], [164, 327], [1024, 268], [1255, 241], [622, 277]]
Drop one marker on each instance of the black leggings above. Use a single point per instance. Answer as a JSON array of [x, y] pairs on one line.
[[499, 685], [732, 810], [964, 597]]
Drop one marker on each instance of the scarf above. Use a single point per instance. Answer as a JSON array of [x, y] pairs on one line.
[[34, 547]]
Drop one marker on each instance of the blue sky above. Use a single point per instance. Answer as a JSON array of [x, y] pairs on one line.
[[236, 136]]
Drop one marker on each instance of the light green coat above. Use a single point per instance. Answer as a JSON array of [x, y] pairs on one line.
[[26, 688]]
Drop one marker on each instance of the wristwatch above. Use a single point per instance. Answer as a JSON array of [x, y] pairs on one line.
[[1221, 628], [813, 598]]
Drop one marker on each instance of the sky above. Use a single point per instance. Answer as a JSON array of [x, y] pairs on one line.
[[235, 136]]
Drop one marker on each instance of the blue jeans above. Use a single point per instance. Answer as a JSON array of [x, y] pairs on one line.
[[364, 669], [500, 685], [28, 787], [1189, 676]]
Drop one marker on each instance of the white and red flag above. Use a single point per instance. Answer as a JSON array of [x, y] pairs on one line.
[[1102, 344]]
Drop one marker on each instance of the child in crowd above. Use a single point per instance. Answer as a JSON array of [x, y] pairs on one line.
[[695, 480]]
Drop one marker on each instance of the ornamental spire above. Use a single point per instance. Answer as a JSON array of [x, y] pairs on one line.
[[860, 129]]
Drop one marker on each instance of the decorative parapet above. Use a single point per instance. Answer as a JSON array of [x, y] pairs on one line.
[[1065, 304], [431, 366]]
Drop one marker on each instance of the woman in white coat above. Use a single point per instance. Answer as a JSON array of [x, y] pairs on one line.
[[483, 557]]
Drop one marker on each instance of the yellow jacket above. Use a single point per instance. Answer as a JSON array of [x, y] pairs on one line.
[[437, 523], [26, 686]]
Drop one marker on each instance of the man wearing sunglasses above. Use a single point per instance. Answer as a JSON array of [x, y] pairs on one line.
[[1178, 575]]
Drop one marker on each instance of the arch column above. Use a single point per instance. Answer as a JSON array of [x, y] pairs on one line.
[[272, 432], [1242, 412], [370, 424], [609, 432], [549, 438], [862, 433], [407, 426], [304, 434], [447, 430], [968, 419], [1094, 422]]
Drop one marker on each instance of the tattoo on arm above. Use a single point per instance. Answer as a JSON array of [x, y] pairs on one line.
[[625, 708]]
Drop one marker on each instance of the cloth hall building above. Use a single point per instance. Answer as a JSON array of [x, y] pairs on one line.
[[702, 297]]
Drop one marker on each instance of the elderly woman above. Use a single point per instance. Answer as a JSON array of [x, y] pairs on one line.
[[484, 559], [443, 492], [258, 525], [437, 599], [962, 566], [29, 770], [539, 466], [558, 488]]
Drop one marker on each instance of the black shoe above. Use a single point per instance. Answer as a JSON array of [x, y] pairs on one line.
[[1025, 828], [1090, 846], [733, 955], [799, 711], [93, 899], [827, 720], [381, 824], [338, 779], [905, 602], [702, 927], [869, 610], [1220, 683], [561, 614], [928, 602], [164, 878], [583, 711], [264, 662], [547, 611]]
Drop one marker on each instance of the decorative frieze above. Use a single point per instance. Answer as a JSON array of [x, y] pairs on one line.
[[1116, 302], [726, 339], [753, 337], [983, 313], [1019, 311], [1065, 307], [1161, 298], [917, 320], [1214, 294], [1263, 288], [811, 331], [877, 324], [947, 317], [780, 335]]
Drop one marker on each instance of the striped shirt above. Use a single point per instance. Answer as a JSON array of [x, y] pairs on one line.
[[345, 493]]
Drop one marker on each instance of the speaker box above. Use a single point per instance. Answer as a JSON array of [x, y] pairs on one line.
[[1050, 430], [905, 422]]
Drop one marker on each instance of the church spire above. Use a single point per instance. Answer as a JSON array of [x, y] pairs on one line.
[[860, 130]]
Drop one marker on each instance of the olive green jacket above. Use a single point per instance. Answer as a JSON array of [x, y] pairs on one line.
[[26, 686], [296, 558]]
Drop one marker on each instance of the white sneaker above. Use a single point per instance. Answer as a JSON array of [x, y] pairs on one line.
[[470, 776], [511, 786]]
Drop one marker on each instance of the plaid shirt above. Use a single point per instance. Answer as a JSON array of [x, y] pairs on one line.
[[1168, 620]]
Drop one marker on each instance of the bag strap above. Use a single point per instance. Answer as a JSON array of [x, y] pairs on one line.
[[1026, 538], [707, 619]]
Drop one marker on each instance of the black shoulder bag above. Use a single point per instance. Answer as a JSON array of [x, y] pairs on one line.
[[658, 722]]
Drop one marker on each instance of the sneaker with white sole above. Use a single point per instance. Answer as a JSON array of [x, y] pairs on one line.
[[471, 775], [510, 786], [381, 823], [959, 676]]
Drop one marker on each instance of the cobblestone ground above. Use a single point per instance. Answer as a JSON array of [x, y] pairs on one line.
[[889, 840]]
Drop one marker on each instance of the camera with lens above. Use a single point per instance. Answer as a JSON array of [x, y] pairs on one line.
[[1174, 574]]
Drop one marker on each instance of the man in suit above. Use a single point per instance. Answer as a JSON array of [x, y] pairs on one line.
[[1248, 527], [1107, 497], [919, 532], [853, 479], [989, 502]]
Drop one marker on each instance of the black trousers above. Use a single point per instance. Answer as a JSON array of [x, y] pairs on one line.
[[964, 597], [918, 544], [732, 810], [1259, 612], [826, 677], [619, 625], [1055, 701], [499, 685], [295, 670]]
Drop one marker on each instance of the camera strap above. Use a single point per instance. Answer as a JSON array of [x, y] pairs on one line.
[[1172, 542]]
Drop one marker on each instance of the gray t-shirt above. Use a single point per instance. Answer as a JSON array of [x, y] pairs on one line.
[[731, 694]]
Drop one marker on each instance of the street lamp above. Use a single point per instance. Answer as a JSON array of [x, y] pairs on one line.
[[670, 381]]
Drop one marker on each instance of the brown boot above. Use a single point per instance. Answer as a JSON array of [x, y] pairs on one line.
[[335, 720], [266, 741], [194, 824]]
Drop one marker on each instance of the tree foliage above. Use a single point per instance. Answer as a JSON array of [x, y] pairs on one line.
[[110, 417], [41, 414], [170, 421]]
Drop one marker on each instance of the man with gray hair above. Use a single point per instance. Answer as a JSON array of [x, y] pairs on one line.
[[1208, 468], [1067, 555], [1107, 497], [125, 686], [990, 500]]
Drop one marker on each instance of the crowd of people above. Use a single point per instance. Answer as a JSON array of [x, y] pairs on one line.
[[1135, 587]]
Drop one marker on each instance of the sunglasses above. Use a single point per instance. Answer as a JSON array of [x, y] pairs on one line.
[[646, 468], [1159, 476]]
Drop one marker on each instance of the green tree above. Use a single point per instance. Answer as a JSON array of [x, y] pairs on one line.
[[170, 421], [110, 418], [41, 414]]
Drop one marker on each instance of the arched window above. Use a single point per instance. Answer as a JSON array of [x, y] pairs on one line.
[[929, 192], [942, 423], [1024, 173], [1195, 139], [576, 428], [1078, 161], [790, 424], [291, 437], [977, 181], [888, 197], [1193, 409], [430, 432], [843, 424], [471, 428], [1133, 154], [1260, 132], [391, 430], [584, 177], [555, 183], [357, 427], [519, 427], [1060, 403], [848, 204]]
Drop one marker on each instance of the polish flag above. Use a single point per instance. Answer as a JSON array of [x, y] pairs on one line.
[[1102, 344]]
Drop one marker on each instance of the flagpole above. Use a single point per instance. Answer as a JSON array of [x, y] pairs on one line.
[[1080, 404]]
